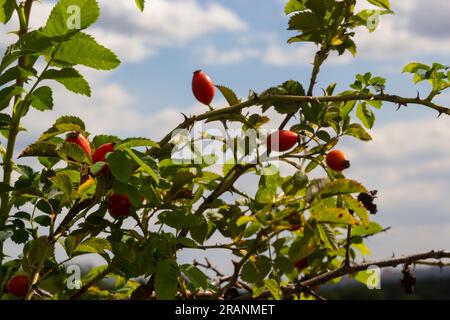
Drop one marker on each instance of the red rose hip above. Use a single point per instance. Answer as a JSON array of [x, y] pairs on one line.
[[282, 140], [301, 264], [337, 161], [119, 205], [18, 285], [77, 138], [100, 155], [203, 87]]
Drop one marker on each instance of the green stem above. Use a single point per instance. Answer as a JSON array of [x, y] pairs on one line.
[[23, 12]]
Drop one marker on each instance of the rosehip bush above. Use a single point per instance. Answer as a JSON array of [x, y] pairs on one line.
[[130, 202]]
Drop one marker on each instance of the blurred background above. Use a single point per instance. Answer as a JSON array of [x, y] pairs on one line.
[[242, 44]]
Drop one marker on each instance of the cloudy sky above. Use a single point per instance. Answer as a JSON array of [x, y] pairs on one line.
[[242, 44]]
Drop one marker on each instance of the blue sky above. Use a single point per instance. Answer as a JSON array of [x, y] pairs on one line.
[[242, 44]]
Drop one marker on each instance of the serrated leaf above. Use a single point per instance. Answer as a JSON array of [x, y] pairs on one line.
[[40, 149], [135, 142], [143, 166], [179, 219], [93, 245], [6, 10], [84, 50], [229, 95], [14, 73], [120, 165], [334, 215], [62, 125], [373, 228], [63, 182], [196, 277], [305, 21], [360, 211], [244, 220], [273, 287], [69, 16], [256, 269], [293, 6], [413, 67], [357, 131], [166, 279], [42, 98], [6, 94], [70, 78], [366, 115], [71, 152], [340, 187], [31, 43]]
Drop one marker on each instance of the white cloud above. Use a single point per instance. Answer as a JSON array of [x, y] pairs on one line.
[[135, 36], [410, 166], [213, 56], [412, 32]]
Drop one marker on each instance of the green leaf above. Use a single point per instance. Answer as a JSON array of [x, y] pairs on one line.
[[71, 152], [361, 230], [43, 220], [178, 219], [6, 94], [143, 166], [42, 98], [347, 107], [14, 73], [69, 78], [358, 209], [357, 131], [413, 67], [166, 283], [293, 6], [63, 182], [120, 165], [317, 7], [93, 245], [31, 43], [366, 115], [273, 287], [140, 4], [339, 187], [40, 149], [385, 4], [256, 269], [197, 278], [334, 215], [135, 142], [83, 49], [20, 236], [5, 235], [69, 16], [375, 103], [6, 10], [305, 21], [62, 125], [229, 95]]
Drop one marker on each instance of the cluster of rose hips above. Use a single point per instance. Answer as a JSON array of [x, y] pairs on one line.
[[280, 141], [118, 205]]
